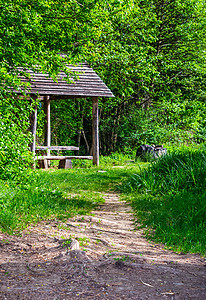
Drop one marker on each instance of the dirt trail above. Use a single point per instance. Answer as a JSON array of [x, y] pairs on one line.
[[108, 260]]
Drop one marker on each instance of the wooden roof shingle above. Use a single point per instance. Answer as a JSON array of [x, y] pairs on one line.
[[85, 84]]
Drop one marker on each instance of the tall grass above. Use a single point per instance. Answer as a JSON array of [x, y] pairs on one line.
[[169, 198]]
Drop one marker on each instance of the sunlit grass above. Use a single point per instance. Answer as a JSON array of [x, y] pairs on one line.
[[168, 196], [169, 199], [58, 194]]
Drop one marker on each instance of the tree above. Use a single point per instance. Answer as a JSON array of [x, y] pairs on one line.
[[34, 32], [150, 53]]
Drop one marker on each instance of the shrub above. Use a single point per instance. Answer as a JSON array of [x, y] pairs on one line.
[[15, 157]]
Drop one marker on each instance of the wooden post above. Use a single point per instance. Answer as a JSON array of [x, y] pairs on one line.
[[33, 129], [47, 136], [95, 131]]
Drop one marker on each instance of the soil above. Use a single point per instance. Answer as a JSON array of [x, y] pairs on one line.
[[100, 256]]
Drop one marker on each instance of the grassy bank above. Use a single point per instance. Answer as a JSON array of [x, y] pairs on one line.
[[169, 199]]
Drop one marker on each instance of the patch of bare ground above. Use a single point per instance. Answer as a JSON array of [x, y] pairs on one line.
[[96, 257]]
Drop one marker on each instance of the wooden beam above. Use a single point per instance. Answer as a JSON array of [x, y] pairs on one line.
[[33, 128], [95, 131], [47, 136]]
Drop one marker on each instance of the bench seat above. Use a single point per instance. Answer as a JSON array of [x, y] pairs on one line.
[[61, 157], [65, 161], [58, 148]]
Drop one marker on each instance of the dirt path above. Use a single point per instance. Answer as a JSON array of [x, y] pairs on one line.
[[108, 260]]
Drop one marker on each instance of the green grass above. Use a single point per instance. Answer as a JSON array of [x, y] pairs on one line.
[[168, 196], [169, 199], [58, 194]]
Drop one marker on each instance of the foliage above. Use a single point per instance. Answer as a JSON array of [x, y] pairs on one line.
[[32, 33], [169, 123], [170, 196], [153, 50], [14, 139], [151, 53]]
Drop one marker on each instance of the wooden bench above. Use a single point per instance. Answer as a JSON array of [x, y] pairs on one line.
[[65, 162]]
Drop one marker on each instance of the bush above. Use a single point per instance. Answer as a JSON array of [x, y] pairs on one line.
[[15, 157]]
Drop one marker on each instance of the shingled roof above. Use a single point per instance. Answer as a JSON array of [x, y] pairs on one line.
[[85, 84]]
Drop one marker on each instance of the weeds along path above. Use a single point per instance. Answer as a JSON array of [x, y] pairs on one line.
[[99, 256]]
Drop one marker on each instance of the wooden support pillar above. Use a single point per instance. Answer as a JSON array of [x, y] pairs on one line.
[[95, 131], [47, 131], [33, 129]]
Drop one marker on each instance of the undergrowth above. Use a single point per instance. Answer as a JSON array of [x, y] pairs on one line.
[[169, 199]]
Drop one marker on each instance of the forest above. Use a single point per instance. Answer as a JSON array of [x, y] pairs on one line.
[[151, 54]]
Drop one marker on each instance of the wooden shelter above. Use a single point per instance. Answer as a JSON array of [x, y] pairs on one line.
[[85, 83]]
